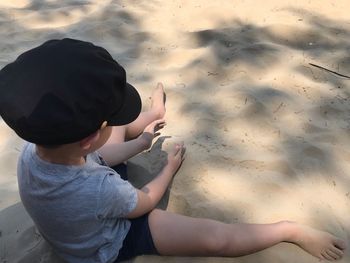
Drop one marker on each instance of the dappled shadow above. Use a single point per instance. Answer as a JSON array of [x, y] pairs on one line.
[[258, 46], [304, 126], [104, 23], [238, 44], [43, 5], [264, 135], [250, 46]]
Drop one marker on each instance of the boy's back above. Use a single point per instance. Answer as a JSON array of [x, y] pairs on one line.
[[81, 200]]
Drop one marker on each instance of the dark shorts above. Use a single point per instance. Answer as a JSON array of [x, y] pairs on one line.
[[121, 169], [139, 240]]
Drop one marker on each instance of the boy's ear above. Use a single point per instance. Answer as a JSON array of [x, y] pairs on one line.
[[85, 143]]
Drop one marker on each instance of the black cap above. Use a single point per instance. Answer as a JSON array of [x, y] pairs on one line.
[[63, 90]]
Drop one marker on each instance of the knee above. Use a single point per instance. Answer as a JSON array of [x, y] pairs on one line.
[[216, 242]]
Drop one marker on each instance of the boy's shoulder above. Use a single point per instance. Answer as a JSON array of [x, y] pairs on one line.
[[32, 166], [56, 182]]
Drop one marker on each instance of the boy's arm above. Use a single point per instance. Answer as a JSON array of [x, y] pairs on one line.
[[149, 195], [116, 153]]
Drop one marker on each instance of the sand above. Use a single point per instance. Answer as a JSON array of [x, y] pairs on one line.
[[267, 134]]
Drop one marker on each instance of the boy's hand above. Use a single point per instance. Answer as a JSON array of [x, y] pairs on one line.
[[151, 131], [149, 196], [176, 156]]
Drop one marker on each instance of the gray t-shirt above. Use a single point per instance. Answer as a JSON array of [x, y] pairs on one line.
[[79, 209]]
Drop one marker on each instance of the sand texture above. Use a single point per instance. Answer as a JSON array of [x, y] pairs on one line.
[[267, 134]]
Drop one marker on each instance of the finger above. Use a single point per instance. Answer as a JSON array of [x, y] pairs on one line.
[[180, 147], [156, 122], [183, 153], [176, 149], [183, 150], [159, 126], [159, 121]]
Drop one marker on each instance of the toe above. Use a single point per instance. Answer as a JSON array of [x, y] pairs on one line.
[[332, 255], [326, 256], [340, 244], [337, 251]]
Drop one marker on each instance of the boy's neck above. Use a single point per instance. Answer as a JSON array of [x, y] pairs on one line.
[[61, 155]]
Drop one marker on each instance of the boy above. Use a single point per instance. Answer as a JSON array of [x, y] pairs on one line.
[[71, 101]]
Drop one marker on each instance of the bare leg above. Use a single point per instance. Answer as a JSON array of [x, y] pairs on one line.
[[206, 237], [118, 135], [156, 112]]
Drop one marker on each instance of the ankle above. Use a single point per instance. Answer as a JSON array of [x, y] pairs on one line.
[[155, 113], [291, 231]]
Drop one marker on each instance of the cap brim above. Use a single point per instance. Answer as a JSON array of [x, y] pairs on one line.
[[130, 109]]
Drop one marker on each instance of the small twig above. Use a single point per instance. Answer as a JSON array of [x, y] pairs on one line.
[[331, 71], [32, 248], [212, 73], [278, 108]]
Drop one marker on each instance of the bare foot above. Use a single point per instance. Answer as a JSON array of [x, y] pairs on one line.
[[158, 101], [320, 244]]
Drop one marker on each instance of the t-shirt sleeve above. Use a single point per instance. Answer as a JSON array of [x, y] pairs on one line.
[[117, 197]]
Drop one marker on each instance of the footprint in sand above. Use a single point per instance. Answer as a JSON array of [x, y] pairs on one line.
[[255, 111], [326, 138], [313, 158], [268, 188], [311, 128], [315, 153], [280, 166]]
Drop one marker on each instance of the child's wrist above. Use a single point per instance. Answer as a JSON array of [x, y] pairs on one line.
[[171, 168], [145, 140]]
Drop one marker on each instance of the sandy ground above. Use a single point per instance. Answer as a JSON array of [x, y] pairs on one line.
[[267, 134]]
